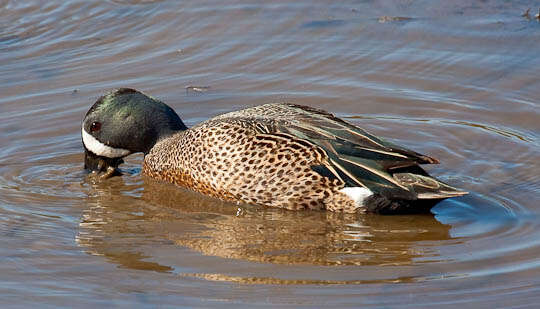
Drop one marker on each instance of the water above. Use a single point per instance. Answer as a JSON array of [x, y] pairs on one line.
[[455, 80]]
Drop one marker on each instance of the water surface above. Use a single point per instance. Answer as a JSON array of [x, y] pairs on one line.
[[455, 80]]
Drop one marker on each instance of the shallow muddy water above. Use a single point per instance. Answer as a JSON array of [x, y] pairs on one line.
[[457, 80]]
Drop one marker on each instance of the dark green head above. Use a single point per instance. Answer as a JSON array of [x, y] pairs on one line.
[[123, 122]]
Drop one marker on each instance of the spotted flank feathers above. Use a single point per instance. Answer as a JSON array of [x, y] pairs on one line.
[[290, 156], [294, 157]]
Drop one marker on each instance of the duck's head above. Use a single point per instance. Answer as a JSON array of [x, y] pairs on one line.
[[123, 122]]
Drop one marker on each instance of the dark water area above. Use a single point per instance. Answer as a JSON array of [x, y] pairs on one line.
[[457, 80]]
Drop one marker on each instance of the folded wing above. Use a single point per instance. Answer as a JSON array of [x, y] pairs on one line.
[[362, 159]]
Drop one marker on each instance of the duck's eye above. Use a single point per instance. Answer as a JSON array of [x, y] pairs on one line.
[[95, 126]]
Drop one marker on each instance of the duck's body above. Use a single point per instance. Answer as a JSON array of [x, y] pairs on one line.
[[284, 155]]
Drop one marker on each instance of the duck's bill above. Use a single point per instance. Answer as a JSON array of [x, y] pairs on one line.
[[103, 166]]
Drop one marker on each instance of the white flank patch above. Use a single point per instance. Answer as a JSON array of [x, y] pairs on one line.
[[357, 194], [101, 149]]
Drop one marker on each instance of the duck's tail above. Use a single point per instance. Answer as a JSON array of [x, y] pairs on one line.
[[426, 187], [428, 191]]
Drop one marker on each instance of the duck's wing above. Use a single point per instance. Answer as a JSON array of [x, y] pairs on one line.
[[315, 124], [355, 156]]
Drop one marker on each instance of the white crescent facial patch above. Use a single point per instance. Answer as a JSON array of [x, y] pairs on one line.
[[101, 149]]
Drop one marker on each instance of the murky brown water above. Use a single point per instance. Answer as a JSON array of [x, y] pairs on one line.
[[458, 80]]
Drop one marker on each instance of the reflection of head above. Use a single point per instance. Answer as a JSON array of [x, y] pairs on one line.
[[211, 227]]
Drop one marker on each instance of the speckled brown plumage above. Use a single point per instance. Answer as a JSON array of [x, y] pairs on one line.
[[288, 156], [230, 158]]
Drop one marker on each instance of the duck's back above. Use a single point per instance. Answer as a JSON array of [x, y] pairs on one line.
[[290, 156]]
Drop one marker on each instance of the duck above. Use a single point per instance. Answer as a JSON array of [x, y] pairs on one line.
[[280, 155]]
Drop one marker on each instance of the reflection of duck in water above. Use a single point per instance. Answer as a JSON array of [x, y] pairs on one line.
[[277, 236], [125, 230], [281, 155]]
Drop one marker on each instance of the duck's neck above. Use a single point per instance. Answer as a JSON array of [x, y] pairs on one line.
[[168, 132], [164, 125]]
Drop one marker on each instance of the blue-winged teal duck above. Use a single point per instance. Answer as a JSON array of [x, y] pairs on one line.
[[281, 155]]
